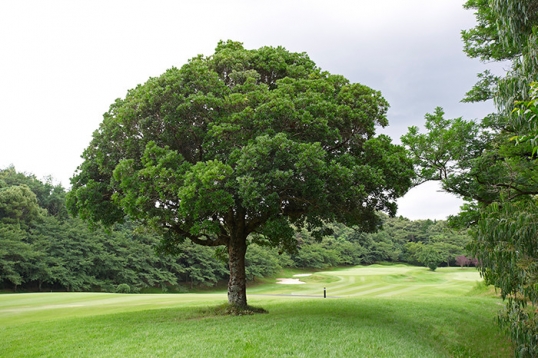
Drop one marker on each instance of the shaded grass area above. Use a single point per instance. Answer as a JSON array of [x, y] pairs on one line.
[[365, 327]]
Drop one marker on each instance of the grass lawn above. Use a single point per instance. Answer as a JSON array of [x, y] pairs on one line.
[[375, 311]]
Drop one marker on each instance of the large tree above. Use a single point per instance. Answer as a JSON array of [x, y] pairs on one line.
[[492, 164], [243, 143]]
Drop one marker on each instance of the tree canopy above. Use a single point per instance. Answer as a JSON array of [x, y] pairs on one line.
[[492, 163], [242, 143]]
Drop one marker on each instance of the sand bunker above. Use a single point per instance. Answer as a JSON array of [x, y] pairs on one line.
[[293, 281], [289, 281]]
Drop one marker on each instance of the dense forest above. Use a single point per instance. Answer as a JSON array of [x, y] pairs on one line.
[[43, 248]]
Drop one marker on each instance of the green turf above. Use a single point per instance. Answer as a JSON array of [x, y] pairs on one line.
[[389, 311], [381, 281]]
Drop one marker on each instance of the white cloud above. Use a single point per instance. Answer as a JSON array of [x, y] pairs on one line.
[[428, 201]]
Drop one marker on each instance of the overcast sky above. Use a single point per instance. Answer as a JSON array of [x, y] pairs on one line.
[[64, 62]]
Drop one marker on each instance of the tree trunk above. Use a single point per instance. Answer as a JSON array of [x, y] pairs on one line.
[[237, 286]]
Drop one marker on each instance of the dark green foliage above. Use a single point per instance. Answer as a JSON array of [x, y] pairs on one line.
[[41, 251], [428, 255], [123, 288], [497, 179], [15, 255], [199, 265], [432, 265], [396, 242], [505, 240], [18, 205], [505, 234], [49, 196], [483, 41], [494, 165], [264, 262], [242, 143]]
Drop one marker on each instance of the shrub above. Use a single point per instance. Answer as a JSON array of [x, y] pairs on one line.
[[432, 266], [123, 288]]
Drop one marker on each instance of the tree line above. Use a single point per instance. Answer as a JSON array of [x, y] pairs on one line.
[[43, 248]]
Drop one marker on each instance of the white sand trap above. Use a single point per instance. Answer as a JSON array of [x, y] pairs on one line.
[[302, 275], [289, 281]]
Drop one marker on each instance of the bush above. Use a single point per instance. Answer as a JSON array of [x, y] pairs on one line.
[[123, 288], [181, 289]]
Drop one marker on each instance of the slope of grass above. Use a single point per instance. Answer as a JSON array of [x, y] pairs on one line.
[[416, 323]]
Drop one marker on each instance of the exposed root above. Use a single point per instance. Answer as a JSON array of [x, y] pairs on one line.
[[227, 309]]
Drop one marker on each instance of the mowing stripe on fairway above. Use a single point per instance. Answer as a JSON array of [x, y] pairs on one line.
[[398, 292], [357, 289], [375, 290]]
